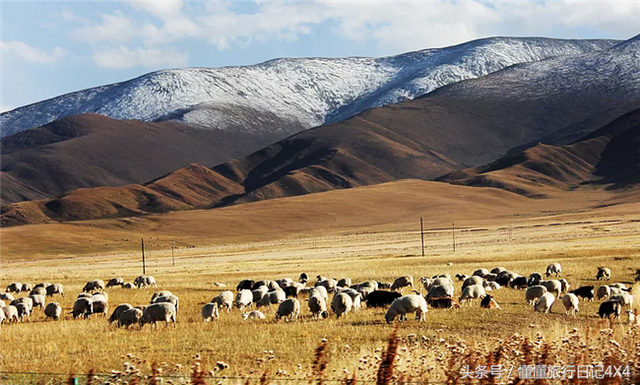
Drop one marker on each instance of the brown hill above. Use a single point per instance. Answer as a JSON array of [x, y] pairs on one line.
[[91, 150], [190, 187], [609, 156]]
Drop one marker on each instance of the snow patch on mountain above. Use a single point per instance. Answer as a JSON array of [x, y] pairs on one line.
[[308, 91]]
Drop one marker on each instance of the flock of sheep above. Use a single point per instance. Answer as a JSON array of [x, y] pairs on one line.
[[346, 297]]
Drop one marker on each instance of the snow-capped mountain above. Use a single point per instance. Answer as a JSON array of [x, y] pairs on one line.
[[307, 92]]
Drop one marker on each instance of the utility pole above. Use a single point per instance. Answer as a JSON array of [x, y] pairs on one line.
[[453, 233], [422, 235], [173, 256], [144, 266]]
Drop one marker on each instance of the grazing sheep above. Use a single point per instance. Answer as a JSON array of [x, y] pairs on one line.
[[473, 280], [2, 304], [401, 282], [472, 292], [6, 297], [219, 284], [25, 300], [439, 281], [162, 293], [82, 307], [99, 305], [14, 287], [625, 299], [330, 284], [2, 316], [519, 282], [318, 307], [38, 300], [254, 314], [367, 284], [118, 281], [26, 287], [504, 279], [341, 304], [608, 308], [210, 312], [83, 295], [461, 277], [584, 292], [157, 312], [344, 282], [130, 317], [128, 285], [145, 281], [534, 279], [11, 313], [24, 311], [289, 309], [545, 302], [603, 273], [244, 298], [382, 298], [320, 290], [42, 285], [632, 317], [554, 268], [272, 298], [96, 284], [440, 291], [103, 294], [618, 285], [224, 300], [564, 285], [284, 282], [304, 278], [384, 285], [407, 304], [291, 291], [173, 299], [259, 293], [53, 310], [443, 303], [489, 303], [55, 288], [480, 273], [498, 270], [38, 291], [118, 311], [553, 286], [493, 286], [534, 293], [603, 292], [571, 302]]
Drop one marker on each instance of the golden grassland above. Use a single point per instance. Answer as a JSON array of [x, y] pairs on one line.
[[371, 240]]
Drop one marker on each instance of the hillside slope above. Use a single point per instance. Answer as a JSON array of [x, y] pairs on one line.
[[91, 150], [609, 156]]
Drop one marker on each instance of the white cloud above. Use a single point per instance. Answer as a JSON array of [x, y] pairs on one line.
[[115, 27], [123, 57], [31, 54]]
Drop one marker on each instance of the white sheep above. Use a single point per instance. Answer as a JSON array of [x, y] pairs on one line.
[[341, 304], [554, 268], [210, 312], [318, 307], [407, 304], [254, 314], [545, 302], [224, 300], [534, 293], [571, 303], [244, 298], [472, 292]]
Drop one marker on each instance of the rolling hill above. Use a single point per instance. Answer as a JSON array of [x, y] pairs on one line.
[[92, 150], [609, 156]]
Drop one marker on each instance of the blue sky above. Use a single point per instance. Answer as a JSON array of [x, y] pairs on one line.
[[51, 48]]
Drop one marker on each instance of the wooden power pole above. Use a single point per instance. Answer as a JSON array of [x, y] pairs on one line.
[[453, 233], [422, 235], [173, 256], [144, 265]]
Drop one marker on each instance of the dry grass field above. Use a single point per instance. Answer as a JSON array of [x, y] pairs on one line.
[[366, 233]]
